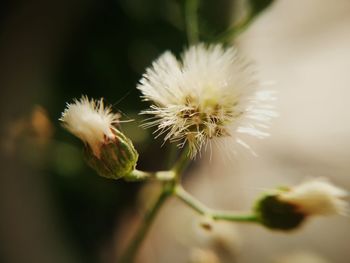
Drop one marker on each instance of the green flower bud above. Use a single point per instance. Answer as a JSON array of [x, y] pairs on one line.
[[107, 150], [117, 158], [287, 208], [276, 214]]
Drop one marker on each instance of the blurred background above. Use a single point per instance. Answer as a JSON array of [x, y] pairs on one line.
[[53, 208]]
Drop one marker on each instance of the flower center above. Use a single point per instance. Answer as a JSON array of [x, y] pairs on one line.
[[208, 118]]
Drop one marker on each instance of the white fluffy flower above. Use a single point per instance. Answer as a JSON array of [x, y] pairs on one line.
[[208, 94], [317, 197], [90, 121]]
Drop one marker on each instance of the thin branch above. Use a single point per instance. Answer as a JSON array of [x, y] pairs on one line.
[[131, 252], [137, 176], [202, 209]]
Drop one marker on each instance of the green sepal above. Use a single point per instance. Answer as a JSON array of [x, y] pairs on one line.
[[117, 159], [276, 214]]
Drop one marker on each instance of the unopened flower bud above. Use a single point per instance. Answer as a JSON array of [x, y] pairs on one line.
[[117, 158], [287, 208], [276, 214], [107, 150]]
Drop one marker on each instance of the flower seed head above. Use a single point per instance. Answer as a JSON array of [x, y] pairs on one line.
[[203, 97]]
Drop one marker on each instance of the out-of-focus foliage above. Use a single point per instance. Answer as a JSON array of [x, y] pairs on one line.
[[59, 50]]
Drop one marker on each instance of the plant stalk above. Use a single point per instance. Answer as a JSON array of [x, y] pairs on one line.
[[131, 252], [169, 179], [202, 209]]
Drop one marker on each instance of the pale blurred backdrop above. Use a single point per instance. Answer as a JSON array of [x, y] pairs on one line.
[[302, 50]]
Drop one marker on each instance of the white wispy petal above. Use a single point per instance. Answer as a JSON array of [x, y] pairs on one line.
[[317, 197], [209, 93], [90, 121]]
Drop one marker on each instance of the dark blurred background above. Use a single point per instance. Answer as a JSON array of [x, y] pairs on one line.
[[53, 208]]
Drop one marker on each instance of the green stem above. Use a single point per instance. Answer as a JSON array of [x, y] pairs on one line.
[[191, 20], [235, 217], [131, 252], [188, 199], [235, 30], [172, 154], [181, 164], [172, 186], [200, 208], [169, 178], [165, 176], [137, 175]]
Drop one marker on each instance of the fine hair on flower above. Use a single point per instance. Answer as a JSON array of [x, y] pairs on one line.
[[207, 95]]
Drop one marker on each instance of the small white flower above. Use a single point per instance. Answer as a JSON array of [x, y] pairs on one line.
[[90, 121], [317, 197], [206, 95]]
